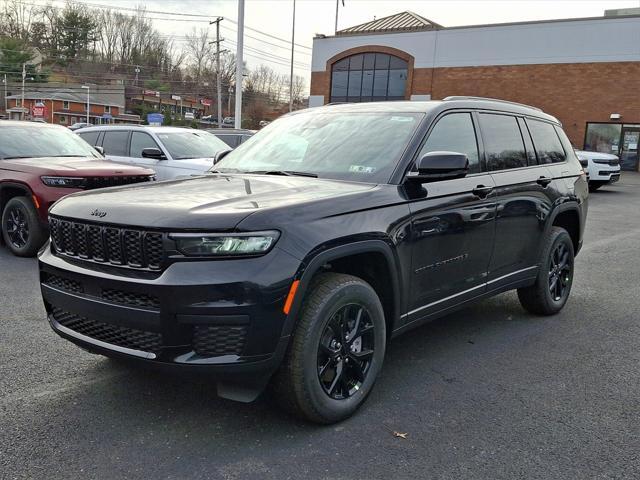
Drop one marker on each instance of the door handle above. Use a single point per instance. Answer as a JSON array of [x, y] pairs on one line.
[[482, 191], [544, 181]]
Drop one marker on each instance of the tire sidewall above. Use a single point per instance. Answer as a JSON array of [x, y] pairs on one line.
[[329, 408], [36, 235], [559, 236]]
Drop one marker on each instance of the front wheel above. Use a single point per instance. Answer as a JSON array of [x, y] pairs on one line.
[[551, 291], [336, 352], [21, 228]]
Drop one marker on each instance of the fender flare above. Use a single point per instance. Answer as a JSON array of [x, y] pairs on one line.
[[310, 267], [18, 185], [564, 207]]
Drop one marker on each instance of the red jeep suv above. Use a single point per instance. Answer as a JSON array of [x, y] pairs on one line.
[[41, 163]]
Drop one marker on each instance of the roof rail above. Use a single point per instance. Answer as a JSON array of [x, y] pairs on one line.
[[492, 100]]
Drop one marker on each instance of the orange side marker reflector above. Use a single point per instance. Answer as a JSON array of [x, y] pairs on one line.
[[291, 296], [35, 201]]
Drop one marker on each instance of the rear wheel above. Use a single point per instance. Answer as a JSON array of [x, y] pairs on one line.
[[336, 352], [555, 276], [21, 229]]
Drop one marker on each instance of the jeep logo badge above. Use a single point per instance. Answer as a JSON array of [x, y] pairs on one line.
[[98, 213]]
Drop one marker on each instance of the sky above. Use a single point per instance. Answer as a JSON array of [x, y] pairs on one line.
[[274, 17]]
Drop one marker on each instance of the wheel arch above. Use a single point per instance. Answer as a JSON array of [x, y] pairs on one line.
[[9, 190], [340, 259], [567, 216]]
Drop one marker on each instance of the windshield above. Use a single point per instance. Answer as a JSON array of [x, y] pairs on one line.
[[191, 144], [363, 147], [37, 141]]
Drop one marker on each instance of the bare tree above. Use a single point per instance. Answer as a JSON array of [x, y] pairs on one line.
[[199, 51]]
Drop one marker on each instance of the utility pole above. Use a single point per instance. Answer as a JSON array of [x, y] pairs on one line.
[[5, 93], [229, 100], [24, 75], [293, 37], [88, 100], [239, 64], [218, 81]]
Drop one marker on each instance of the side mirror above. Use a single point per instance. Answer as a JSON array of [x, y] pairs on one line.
[[153, 153], [221, 154], [98, 149], [435, 166]]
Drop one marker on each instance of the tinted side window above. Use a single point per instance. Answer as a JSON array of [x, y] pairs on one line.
[[502, 142], [90, 137], [140, 141], [115, 143], [454, 133], [546, 141]]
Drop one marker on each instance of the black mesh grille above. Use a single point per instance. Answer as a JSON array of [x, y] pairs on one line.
[[219, 340], [63, 284], [113, 334], [131, 298], [102, 182], [118, 246]]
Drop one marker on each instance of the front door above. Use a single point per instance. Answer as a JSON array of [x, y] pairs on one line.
[[452, 226], [629, 149]]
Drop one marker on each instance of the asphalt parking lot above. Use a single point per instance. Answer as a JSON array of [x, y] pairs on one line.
[[489, 392]]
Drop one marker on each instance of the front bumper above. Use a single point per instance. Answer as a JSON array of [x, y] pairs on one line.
[[603, 173], [222, 317]]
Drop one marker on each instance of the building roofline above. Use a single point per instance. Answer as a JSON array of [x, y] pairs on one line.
[[483, 25]]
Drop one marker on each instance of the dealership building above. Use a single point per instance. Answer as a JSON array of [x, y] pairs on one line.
[[585, 71]]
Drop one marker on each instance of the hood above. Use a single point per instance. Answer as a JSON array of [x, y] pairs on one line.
[[584, 155], [72, 166], [199, 165], [210, 203]]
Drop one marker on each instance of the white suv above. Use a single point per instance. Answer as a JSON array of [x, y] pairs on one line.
[[601, 168], [170, 151]]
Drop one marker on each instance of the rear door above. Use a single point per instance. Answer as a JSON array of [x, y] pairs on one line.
[[452, 225], [116, 146], [524, 196]]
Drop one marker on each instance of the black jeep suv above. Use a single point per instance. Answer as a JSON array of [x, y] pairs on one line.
[[319, 239]]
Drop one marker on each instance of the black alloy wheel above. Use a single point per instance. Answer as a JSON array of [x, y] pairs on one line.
[[345, 351], [560, 270], [17, 226]]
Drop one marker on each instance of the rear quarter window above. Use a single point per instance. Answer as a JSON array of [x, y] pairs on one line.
[[546, 142]]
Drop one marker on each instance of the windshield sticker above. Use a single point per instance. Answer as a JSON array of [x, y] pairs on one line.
[[402, 119], [361, 169]]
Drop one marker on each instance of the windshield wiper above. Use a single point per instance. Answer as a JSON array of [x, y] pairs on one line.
[[287, 173]]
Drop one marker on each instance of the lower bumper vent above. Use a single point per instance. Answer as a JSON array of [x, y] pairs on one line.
[[211, 341], [113, 334]]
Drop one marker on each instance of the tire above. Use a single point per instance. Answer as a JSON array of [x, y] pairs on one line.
[[307, 384], [549, 294], [21, 230], [594, 186]]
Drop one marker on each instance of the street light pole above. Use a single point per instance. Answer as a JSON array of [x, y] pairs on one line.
[[293, 37], [24, 75], [5, 93], [239, 64], [88, 100]]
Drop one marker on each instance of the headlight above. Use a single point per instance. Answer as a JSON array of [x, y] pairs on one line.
[[65, 182], [223, 244]]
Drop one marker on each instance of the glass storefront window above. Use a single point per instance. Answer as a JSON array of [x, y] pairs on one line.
[[368, 77], [603, 137]]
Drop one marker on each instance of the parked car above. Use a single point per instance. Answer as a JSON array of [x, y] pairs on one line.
[[231, 136], [169, 151], [78, 126], [39, 164], [601, 168], [333, 230], [230, 121]]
